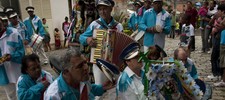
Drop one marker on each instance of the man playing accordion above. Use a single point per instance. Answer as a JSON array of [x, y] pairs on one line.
[[106, 21]]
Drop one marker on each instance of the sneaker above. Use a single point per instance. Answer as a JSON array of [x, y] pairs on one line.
[[219, 84]]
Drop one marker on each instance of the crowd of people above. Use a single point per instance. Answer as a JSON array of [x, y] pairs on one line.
[[23, 78]]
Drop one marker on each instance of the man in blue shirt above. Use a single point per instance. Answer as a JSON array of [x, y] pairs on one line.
[[34, 26], [11, 47], [106, 21], [129, 85], [133, 21], [156, 23]]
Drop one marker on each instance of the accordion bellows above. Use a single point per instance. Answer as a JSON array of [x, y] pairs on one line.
[[110, 44]]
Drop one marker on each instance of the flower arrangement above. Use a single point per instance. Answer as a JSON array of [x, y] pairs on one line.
[[168, 80]]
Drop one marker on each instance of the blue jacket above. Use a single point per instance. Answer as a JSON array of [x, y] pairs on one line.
[[59, 90], [21, 29], [133, 21], [37, 25], [140, 14], [149, 20], [11, 43], [95, 25], [28, 89]]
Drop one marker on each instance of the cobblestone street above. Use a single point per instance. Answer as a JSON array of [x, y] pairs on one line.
[[202, 61]]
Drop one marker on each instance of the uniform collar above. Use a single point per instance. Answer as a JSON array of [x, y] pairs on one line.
[[33, 18], [64, 87], [163, 11], [130, 73]]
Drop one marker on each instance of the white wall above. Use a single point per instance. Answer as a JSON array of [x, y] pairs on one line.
[[59, 9]]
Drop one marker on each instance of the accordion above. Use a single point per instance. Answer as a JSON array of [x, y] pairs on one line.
[[110, 44]]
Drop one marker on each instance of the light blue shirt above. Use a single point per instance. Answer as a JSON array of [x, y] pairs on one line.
[[37, 23], [29, 89], [94, 25], [151, 19], [21, 28], [60, 90], [130, 86], [133, 21], [222, 38]]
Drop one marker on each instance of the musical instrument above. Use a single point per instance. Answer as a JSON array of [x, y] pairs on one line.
[[36, 41], [139, 35], [4, 58], [109, 45]]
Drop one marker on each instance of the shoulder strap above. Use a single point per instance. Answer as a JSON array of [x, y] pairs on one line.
[[100, 23], [105, 27], [33, 26]]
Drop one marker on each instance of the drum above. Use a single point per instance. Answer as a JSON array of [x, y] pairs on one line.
[[36, 41], [139, 35]]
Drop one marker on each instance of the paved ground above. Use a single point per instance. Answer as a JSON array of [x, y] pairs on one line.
[[202, 61]]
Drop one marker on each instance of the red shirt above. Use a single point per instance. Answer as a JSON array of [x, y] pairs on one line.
[[193, 13]]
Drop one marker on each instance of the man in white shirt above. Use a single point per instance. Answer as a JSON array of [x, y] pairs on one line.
[[129, 85]]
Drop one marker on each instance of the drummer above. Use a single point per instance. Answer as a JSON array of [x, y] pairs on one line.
[[153, 17], [72, 83], [129, 85], [11, 45], [106, 21], [34, 26]]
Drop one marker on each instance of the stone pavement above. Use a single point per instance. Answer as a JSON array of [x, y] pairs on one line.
[[202, 61]]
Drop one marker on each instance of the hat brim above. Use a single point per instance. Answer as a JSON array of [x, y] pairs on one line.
[[4, 18], [132, 55], [108, 65], [13, 15], [30, 10], [157, 0], [103, 4]]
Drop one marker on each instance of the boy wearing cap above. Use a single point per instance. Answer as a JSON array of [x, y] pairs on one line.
[[129, 85], [133, 21], [156, 23], [11, 45], [34, 26], [106, 21]]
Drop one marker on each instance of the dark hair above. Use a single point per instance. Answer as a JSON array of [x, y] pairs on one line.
[[206, 3], [189, 2], [56, 29], [43, 19], [66, 18], [187, 17], [221, 7], [26, 59], [214, 2]]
